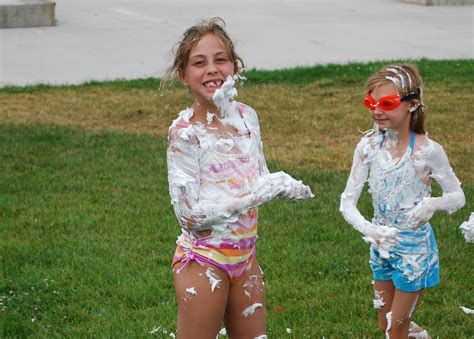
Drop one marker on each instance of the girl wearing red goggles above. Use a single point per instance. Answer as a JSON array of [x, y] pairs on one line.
[[399, 161], [387, 103]]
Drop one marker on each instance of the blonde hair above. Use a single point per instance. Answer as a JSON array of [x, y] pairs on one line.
[[407, 80], [191, 37]]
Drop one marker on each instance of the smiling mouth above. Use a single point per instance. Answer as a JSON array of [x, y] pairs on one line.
[[213, 83]]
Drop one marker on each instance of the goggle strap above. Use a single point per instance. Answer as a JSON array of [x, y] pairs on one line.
[[410, 96]]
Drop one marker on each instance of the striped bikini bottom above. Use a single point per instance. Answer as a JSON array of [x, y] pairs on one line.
[[235, 258]]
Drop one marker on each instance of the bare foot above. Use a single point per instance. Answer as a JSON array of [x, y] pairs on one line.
[[416, 331]]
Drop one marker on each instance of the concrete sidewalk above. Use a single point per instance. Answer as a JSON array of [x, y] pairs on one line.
[[109, 39]]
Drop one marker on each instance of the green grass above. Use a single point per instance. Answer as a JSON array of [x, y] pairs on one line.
[[87, 231], [351, 73]]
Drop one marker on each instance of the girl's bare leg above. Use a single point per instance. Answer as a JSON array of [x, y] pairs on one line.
[[384, 291], [403, 306], [245, 315], [200, 310]]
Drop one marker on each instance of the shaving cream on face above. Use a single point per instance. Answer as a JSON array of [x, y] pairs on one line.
[[228, 109], [223, 97], [217, 179], [198, 158]]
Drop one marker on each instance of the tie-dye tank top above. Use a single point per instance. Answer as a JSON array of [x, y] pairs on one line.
[[230, 166]]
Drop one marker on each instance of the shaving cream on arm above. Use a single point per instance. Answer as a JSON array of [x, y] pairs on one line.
[[433, 157], [268, 185], [383, 237], [202, 195]]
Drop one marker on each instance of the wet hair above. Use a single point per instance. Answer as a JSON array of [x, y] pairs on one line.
[[407, 81], [192, 36]]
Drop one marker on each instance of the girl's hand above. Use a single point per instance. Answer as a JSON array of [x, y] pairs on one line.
[[282, 184], [382, 237], [296, 190], [268, 187], [422, 212]]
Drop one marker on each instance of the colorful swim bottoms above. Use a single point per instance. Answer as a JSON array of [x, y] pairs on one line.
[[413, 264], [234, 255]]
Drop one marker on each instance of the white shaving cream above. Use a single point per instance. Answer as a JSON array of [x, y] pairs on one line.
[[394, 80], [429, 161], [253, 283], [209, 117], [198, 158], [378, 301], [389, 324], [191, 290], [412, 309], [155, 330], [467, 229], [228, 108], [412, 331], [214, 281], [402, 75], [251, 309], [420, 335]]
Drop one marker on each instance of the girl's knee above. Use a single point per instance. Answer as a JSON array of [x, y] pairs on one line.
[[396, 324]]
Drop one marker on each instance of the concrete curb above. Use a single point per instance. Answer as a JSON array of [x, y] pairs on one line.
[[439, 2], [33, 13]]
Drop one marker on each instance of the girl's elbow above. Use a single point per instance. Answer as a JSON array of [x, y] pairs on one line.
[[345, 203], [344, 209], [459, 200]]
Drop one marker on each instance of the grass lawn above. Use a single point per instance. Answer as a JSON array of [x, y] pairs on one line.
[[87, 231]]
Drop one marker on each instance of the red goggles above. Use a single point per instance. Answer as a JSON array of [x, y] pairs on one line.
[[386, 103]]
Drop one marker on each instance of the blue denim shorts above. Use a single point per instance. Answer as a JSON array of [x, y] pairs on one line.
[[413, 263]]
